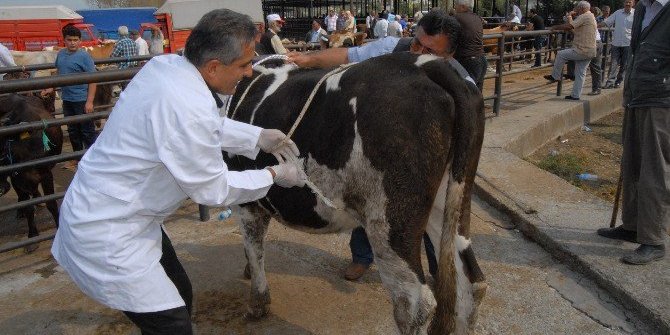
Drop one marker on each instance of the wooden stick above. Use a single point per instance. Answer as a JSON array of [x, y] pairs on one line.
[[615, 209]]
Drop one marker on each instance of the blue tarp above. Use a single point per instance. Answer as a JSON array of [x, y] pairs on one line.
[[108, 20]]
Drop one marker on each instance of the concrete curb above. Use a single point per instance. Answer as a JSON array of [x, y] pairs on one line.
[[558, 216]]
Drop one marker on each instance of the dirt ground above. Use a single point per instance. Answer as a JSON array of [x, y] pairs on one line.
[[597, 151]]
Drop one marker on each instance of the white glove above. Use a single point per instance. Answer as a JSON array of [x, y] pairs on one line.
[[289, 175], [274, 142]]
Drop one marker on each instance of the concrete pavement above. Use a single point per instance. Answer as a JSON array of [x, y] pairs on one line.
[[560, 217]]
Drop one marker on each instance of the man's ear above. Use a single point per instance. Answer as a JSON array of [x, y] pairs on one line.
[[211, 66]]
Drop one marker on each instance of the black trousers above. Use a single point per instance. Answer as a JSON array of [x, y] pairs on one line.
[[176, 321], [81, 134], [476, 67]]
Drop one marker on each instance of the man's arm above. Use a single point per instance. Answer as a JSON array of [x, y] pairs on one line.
[[91, 96], [565, 26], [322, 59]]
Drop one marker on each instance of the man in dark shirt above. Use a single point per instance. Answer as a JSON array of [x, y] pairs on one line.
[[469, 47], [536, 22]]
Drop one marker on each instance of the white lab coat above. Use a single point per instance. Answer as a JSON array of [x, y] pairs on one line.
[[6, 59], [161, 144]]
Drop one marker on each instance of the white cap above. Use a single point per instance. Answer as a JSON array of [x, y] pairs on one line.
[[274, 17]]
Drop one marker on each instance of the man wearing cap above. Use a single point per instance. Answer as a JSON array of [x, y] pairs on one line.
[[152, 155], [437, 34], [270, 40]]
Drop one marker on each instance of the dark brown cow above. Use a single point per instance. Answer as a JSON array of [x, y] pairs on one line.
[[26, 146], [397, 157]]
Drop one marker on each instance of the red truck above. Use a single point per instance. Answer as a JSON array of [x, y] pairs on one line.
[[32, 28], [176, 18]]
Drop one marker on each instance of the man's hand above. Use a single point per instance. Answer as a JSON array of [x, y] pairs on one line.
[[288, 175], [88, 108], [298, 58], [275, 142]]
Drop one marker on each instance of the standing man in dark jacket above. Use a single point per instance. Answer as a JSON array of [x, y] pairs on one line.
[[645, 167], [470, 47], [536, 22]]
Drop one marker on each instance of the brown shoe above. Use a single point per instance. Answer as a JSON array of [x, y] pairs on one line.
[[70, 165], [355, 271]]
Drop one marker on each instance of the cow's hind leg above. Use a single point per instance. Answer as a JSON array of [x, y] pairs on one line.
[[254, 223], [402, 276]]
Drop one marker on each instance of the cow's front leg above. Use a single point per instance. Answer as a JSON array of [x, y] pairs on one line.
[[254, 223]]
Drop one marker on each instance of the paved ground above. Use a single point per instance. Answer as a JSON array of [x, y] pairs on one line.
[[529, 292]]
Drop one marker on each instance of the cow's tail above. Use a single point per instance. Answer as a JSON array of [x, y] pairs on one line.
[[459, 283]]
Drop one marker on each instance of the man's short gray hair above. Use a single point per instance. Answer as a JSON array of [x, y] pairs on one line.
[[123, 30], [220, 34], [584, 4], [468, 3]]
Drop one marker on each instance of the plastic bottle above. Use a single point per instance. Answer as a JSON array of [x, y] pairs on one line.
[[587, 176], [225, 214]]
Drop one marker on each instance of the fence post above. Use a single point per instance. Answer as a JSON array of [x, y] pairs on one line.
[[499, 70], [559, 87]]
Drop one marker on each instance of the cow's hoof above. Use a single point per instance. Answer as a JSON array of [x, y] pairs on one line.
[[30, 248], [259, 306], [254, 314], [247, 272]]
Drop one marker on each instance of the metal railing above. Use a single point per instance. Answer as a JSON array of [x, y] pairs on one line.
[[504, 58], [48, 66]]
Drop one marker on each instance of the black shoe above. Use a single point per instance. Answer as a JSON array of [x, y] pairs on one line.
[[644, 254], [608, 86], [618, 233], [595, 92], [617, 85], [536, 65], [550, 78], [565, 76], [570, 97]]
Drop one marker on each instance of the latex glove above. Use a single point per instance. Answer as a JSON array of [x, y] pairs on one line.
[[288, 175], [269, 141]]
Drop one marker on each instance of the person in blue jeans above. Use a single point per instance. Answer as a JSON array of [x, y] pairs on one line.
[[436, 33], [362, 257], [77, 99]]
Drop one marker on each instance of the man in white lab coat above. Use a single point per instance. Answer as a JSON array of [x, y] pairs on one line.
[[152, 155]]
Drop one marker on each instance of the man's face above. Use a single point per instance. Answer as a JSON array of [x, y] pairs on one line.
[[437, 44], [226, 77], [606, 12], [627, 5], [72, 43], [315, 26]]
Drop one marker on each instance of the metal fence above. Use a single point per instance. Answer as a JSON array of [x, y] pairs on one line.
[[505, 40]]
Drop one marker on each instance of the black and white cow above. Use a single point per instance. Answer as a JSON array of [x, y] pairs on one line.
[[394, 142]]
